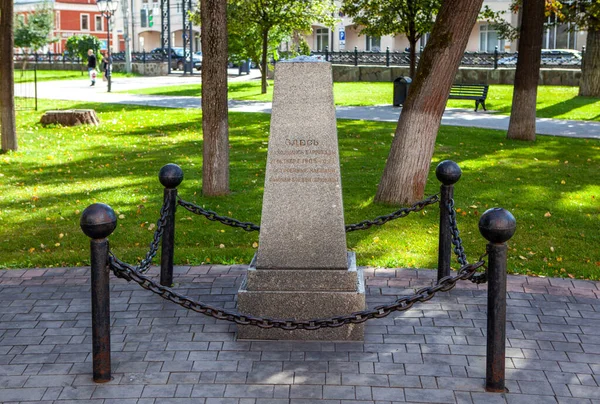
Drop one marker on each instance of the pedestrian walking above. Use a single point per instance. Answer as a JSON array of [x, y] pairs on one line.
[[105, 68], [92, 67]]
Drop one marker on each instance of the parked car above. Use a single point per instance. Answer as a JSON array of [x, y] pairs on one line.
[[550, 57], [178, 58]]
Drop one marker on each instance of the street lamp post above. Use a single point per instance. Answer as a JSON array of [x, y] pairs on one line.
[[108, 8]]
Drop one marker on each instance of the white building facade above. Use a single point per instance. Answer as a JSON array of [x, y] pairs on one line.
[[483, 38]]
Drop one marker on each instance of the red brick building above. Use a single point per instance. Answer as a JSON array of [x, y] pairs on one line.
[[77, 17]]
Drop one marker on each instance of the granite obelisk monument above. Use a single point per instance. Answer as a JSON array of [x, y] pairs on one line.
[[302, 269]]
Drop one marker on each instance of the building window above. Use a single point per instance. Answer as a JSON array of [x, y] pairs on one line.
[[85, 22], [559, 36], [98, 23], [373, 43], [488, 39], [144, 18], [322, 36]]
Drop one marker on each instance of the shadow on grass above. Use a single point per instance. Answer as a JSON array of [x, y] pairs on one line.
[[563, 108]]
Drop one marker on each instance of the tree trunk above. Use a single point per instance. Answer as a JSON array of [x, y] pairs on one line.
[[413, 57], [215, 126], [8, 126], [405, 173], [522, 115], [590, 71], [263, 62]]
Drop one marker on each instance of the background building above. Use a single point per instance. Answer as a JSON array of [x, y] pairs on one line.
[[483, 37], [77, 17]]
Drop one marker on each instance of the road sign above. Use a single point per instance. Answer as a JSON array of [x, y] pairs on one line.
[[342, 37]]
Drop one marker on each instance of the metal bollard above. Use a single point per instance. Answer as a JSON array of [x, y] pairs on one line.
[[448, 173], [170, 176], [98, 221], [497, 225]]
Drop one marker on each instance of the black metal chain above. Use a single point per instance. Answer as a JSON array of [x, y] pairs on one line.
[[364, 225], [215, 217], [129, 273], [144, 264], [456, 240], [403, 212]]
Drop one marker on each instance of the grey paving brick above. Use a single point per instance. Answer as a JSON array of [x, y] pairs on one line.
[[429, 395], [248, 390], [22, 394], [388, 394]]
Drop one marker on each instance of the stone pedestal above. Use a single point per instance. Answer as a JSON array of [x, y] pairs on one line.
[[302, 294], [301, 269]]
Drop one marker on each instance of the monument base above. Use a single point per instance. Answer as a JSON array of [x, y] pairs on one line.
[[302, 294]]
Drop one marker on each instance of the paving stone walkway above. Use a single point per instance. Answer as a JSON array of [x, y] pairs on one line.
[[434, 353]]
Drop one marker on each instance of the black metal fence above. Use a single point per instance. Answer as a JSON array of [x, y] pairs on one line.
[[65, 58], [492, 60], [495, 60]]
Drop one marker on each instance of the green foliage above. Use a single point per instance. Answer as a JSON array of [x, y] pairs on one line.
[[80, 44], [249, 22], [585, 14], [412, 18], [33, 32]]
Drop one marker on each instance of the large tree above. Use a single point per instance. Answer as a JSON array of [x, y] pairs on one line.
[[215, 126], [7, 94], [522, 116], [406, 170], [280, 17], [413, 18], [585, 14]]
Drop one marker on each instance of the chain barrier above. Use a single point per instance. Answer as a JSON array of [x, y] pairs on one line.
[[144, 264], [364, 225], [129, 273], [215, 217], [403, 212], [456, 240]]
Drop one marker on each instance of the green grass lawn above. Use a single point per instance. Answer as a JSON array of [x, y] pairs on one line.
[[51, 75], [552, 187], [559, 102]]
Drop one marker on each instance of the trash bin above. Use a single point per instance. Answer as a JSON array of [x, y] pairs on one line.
[[244, 67], [401, 85]]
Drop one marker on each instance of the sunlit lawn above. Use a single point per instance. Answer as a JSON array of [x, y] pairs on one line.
[[552, 186], [559, 102], [27, 76]]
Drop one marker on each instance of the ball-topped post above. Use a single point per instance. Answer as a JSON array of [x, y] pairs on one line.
[[170, 176], [497, 225], [448, 173], [98, 221]]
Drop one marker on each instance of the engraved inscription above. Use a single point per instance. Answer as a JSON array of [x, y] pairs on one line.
[[304, 160]]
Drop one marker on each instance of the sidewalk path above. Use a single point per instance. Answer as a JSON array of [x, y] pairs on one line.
[[77, 90], [163, 354]]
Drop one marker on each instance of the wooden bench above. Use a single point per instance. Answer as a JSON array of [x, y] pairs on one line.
[[477, 92]]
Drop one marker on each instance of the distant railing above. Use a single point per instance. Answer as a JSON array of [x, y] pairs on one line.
[[493, 60], [388, 58], [64, 58]]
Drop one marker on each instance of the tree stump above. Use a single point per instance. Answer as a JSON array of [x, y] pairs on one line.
[[71, 117]]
